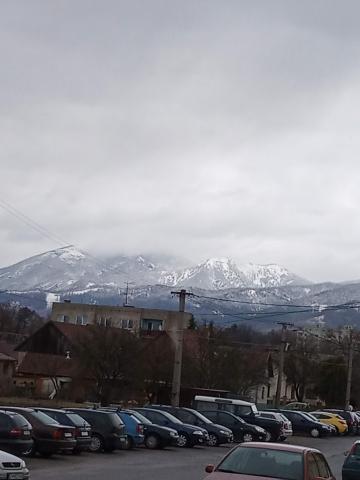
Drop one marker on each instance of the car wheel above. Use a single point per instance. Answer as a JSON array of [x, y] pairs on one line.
[[183, 440], [248, 437], [152, 442], [268, 437], [213, 440], [129, 444], [97, 444], [315, 433]]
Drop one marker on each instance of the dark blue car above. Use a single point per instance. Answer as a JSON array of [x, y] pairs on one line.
[[134, 427]]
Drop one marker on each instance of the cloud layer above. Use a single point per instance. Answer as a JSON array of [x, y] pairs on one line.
[[197, 128]]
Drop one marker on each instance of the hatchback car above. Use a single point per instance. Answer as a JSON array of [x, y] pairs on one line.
[[49, 435], [332, 419], [350, 417], [351, 467], [108, 430], [133, 426], [287, 429], [82, 427], [156, 436], [242, 431], [12, 468], [218, 434], [15, 433], [261, 461], [189, 436]]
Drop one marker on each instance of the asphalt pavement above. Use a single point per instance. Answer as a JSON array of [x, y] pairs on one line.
[[168, 464]]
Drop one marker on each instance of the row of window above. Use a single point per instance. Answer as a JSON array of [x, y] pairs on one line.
[[101, 321]]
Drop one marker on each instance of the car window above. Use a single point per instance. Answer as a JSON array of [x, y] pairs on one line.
[[213, 415], [224, 419], [185, 416], [142, 418], [156, 417], [5, 422], [76, 419], [43, 418], [265, 462], [312, 467], [267, 415], [244, 410], [322, 465]]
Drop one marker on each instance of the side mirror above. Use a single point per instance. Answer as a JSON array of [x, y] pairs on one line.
[[209, 468]]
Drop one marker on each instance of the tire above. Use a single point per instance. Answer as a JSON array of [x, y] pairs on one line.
[[248, 437], [152, 442], [129, 443], [97, 444], [31, 452], [268, 436], [315, 433], [183, 440], [213, 440], [337, 431]]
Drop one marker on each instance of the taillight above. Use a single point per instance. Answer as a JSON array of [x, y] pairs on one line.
[[16, 432], [140, 429], [77, 432]]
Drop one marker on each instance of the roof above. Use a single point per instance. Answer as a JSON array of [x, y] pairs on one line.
[[44, 364], [278, 446], [7, 358]]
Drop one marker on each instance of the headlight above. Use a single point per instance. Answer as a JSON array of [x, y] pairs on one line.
[[173, 434], [259, 429], [198, 432], [224, 432]]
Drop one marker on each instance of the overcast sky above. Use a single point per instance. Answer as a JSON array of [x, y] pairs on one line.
[[196, 128]]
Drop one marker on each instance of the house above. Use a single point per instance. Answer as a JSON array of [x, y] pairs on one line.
[[137, 320]]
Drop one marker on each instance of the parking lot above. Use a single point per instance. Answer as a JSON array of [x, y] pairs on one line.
[[169, 464]]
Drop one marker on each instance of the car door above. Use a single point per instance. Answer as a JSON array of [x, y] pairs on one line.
[[231, 422], [299, 423], [311, 467]]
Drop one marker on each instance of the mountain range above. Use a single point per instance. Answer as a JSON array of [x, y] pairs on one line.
[[224, 292]]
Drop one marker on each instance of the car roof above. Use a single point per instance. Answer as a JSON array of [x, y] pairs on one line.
[[18, 409], [277, 446], [56, 410]]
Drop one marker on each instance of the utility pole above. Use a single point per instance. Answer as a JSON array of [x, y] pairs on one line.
[[125, 304], [179, 338], [349, 369], [284, 326]]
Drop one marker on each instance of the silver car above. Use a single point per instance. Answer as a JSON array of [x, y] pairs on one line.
[[287, 430], [12, 468]]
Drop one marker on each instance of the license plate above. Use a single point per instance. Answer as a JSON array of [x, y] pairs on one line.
[[84, 434], [15, 476], [67, 434], [27, 432]]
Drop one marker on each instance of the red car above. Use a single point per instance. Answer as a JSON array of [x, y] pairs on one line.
[[259, 461]]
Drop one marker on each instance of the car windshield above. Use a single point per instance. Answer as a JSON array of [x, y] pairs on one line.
[[171, 417], [202, 417], [141, 417], [76, 419], [264, 462], [42, 417], [309, 415]]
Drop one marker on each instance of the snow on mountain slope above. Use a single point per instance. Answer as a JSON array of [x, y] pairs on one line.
[[68, 269]]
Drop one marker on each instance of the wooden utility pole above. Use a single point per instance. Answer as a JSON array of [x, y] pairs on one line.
[[284, 326], [179, 338], [349, 369]]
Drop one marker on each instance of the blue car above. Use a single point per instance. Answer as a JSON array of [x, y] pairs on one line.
[[134, 428], [351, 467]]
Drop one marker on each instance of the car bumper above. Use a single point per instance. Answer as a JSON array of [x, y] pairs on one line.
[[15, 474], [16, 446], [53, 446], [225, 438], [348, 474], [83, 443], [115, 442]]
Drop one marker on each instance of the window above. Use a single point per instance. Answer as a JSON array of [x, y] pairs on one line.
[[63, 318], [322, 466], [263, 393], [185, 416], [104, 321], [151, 325], [312, 466], [127, 323], [81, 320]]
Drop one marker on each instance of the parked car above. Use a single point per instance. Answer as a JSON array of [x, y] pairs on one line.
[[245, 410], [15, 433], [189, 436], [133, 426], [242, 431], [261, 461], [287, 429], [351, 467], [107, 429], [350, 417], [82, 427], [218, 434], [332, 419], [12, 468], [303, 424], [49, 435], [156, 436]]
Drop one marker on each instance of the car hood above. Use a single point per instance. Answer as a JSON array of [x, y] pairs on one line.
[[234, 476], [193, 427], [221, 427], [7, 457], [168, 429]]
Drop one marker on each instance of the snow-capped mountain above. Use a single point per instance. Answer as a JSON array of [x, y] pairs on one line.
[[68, 269], [221, 273]]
